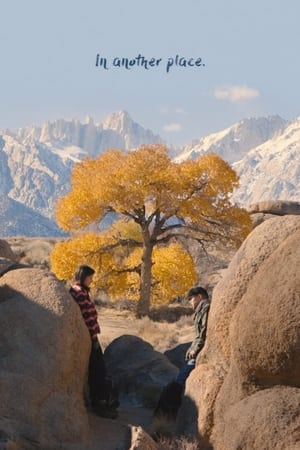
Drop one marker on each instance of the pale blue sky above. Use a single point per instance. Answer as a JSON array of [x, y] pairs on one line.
[[250, 49]]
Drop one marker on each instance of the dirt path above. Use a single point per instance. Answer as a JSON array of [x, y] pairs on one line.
[[162, 336]]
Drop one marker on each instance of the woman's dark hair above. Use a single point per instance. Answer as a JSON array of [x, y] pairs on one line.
[[82, 272]]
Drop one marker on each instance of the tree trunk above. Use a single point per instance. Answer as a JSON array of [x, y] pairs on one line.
[[143, 306]]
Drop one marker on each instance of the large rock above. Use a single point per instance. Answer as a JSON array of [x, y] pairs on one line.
[[276, 207], [246, 383], [140, 440], [7, 264], [6, 251], [177, 354], [268, 419], [139, 371], [262, 211], [42, 373]]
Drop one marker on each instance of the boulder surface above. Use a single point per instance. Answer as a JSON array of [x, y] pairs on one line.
[[42, 373], [245, 387], [139, 371]]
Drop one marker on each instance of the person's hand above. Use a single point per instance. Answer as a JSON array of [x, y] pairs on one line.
[[190, 354]]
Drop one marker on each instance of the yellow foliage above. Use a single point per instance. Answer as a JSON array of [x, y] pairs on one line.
[[169, 278], [146, 189], [116, 274], [173, 273], [125, 229], [68, 255]]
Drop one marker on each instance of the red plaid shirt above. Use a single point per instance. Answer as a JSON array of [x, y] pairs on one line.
[[87, 308]]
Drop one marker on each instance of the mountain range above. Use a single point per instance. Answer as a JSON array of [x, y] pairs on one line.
[[36, 162]]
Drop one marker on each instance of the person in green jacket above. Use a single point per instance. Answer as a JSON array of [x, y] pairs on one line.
[[171, 396], [198, 299]]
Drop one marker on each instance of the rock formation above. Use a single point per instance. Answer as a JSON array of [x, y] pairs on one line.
[[6, 251], [244, 392], [140, 440], [138, 370], [42, 373], [262, 211]]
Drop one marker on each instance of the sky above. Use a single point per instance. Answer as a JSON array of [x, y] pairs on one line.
[[235, 59]]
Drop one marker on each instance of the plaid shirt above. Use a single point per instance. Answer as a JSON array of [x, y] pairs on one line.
[[87, 308]]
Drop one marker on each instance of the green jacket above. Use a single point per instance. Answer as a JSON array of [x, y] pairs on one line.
[[200, 323]]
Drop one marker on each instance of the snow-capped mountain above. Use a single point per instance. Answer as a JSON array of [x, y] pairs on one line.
[[34, 173], [36, 162], [19, 220], [117, 131], [265, 152], [130, 134], [271, 170], [233, 143]]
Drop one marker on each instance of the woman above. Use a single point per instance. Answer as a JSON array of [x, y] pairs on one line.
[[97, 374]]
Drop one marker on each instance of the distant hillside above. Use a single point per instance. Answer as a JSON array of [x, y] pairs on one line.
[[19, 220]]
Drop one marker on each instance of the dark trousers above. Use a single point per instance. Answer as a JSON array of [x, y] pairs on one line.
[[97, 374], [185, 371], [171, 397], [169, 401]]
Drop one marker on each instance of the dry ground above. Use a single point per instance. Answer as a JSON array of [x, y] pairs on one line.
[[161, 335]]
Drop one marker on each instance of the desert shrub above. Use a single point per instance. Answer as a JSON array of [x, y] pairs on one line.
[[36, 252], [185, 321], [169, 313], [124, 304], [163, 430], [159, 335], [180, 443]]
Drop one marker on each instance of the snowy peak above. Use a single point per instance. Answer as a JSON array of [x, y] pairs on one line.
[[132, 133], [117, 131], [59, 133], [119, 121], [36, 162], [233, 143], [271, 171]]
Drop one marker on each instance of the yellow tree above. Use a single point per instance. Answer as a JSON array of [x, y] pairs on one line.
[[117, 260], [164, 200]]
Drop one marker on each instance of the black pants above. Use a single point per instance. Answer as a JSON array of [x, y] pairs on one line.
[[97, 374], [169, 401]]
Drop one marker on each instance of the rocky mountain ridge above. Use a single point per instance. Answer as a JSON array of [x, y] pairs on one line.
[[234, 142], [118, 130], [271, 170], [36, 162]]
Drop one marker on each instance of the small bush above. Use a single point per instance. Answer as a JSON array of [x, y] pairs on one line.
[[160, 335], [181, 443], [169, 314]]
